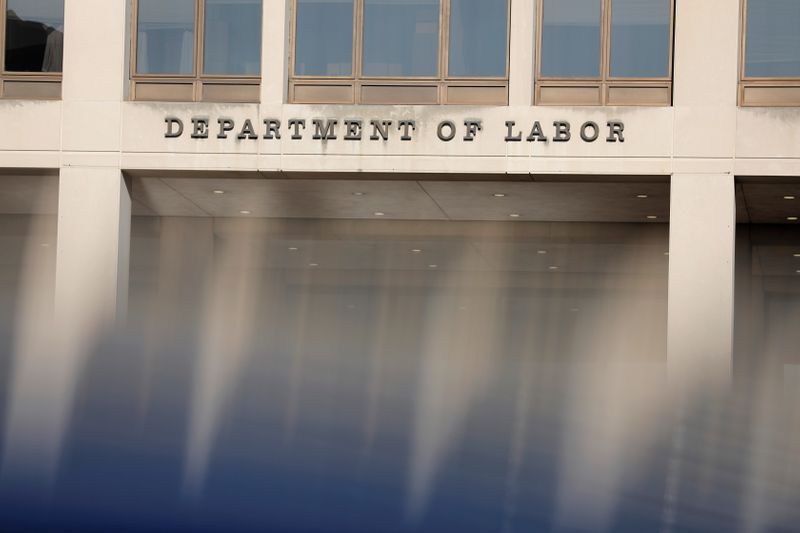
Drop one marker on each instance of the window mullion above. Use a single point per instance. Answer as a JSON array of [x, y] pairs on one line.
[[199, 31], [444, 39]]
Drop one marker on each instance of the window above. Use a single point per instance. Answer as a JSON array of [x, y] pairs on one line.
[[197, 50], [771, 59], [33, 35], [605, 52], [400, 52]]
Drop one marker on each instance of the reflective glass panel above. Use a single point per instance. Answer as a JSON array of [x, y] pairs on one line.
[[165, 37], [570, 38], [773, 38], [478, 36], [232, 37], [34, 35], [401, 37], [640, 38], [324, 38]]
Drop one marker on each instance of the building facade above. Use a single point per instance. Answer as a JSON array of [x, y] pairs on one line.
[[545, 123]]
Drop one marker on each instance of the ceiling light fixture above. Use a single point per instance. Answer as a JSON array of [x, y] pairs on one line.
[[541, 252], [433, 266], [218, 191], [416, 251], [244, 212], [379, 214], [652, 217], [292, 248], [499, 195], [514, 215], [642, 196], [791, 219], [553, 267], [789, 197], [357, 193], [313, 264]]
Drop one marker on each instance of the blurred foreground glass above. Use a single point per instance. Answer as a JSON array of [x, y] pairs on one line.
[[324, 46], [773, 39], [165, 37], [34, 35], [478, 31], [232, 38], [401, 38], [570, 38]]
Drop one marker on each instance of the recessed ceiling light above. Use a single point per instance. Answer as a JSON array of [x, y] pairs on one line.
[[244, 212], [358, 194], [514, 215], [574, 309], [553, 267], [541, 252], [789, 197], [379, 214], [313, 264], [416, 251], [499, 195], [642, 196], [666, 253], [433, 266], [652, 217], [45, 245], [293, 248], [219, 191], [791, 218]]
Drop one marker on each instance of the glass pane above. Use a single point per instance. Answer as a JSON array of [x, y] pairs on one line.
[[165, 37], [401, 37], [34, 35], [324, 36], [478, 37], [571, 38], [640, 38], [773, 38], [232, 37]]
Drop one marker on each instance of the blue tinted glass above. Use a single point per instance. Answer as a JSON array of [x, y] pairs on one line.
[[478, 30], [324, 35], [773, 38], [165, 37], [232, 37], [570, 38], [34, 35], [640, 38], [401, 37]]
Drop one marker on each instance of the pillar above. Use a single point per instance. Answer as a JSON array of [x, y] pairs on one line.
[[521, 47], [701, 278]]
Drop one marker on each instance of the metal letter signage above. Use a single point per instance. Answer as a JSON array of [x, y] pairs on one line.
[[356, 129]]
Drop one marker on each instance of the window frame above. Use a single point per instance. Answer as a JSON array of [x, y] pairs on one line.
[[763, 91], [197, 86], [604, 89], [25, 85], [360, 89]]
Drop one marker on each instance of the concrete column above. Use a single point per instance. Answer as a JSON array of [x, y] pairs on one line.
[[95, 76], [705, 84], [521, 38], [275, 52], [94, 215], [701, 278], [90, 295]]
